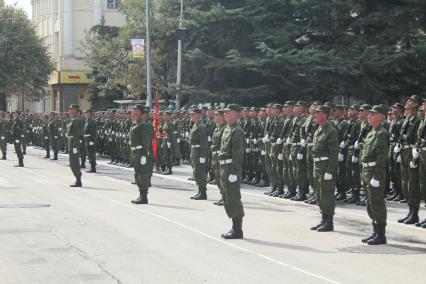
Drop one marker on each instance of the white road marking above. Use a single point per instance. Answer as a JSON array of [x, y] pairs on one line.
[[189, 228]]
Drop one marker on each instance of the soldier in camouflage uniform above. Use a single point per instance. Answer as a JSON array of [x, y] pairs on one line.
[[54, 134], [3, 135], [215, 149]]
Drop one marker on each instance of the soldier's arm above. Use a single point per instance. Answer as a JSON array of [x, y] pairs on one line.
[[381, 149], [202, 138], [333, 151], [237, 140]]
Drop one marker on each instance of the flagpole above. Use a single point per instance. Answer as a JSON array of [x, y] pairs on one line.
[[148, 55], [179, 63]]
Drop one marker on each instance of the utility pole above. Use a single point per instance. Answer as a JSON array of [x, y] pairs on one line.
[[148, 55], [179, 63]]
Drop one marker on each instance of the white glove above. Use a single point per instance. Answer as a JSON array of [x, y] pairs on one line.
[[299, 156], [288, 140], [415, 153], [374, 182], [2, 138], [354, 160], [45, 137], [398, 159], [279, 141], [91, 143], [209, 139], [412, 165], [356, 145], [328, 176], [263, 153], [290, 158], [341, 157], [280, 157], [22, 135], [342, 145], [303, 143], [169, 144], [178, 140], [232, 178], [202, 160], [143, 160], [247, 141], [397, 149], [248, 150], [74, 150], [16, 141], [255, 141]]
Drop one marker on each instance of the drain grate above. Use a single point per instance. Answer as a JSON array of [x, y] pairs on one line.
[[27, 205], [385, 249]]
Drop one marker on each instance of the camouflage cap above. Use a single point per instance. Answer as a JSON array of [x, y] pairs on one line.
[[340, 107], [316, 103], [416, 99], [278, 106], [323, 108], [74, 106], [399, 106], [255, 109], [196, 111], [219, 112], [289, 103], [140, 107], [355, 106], [365, 107], [302, 103], [379, 109], [330, 104], [17, 111], [233, 107]]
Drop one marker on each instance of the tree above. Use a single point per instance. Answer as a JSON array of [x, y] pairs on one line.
[[25, 65]]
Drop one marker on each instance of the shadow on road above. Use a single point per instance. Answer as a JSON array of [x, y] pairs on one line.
[[285, 246]]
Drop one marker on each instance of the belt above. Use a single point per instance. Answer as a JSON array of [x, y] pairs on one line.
[[296, 144], [215, 152], [195, 146], [371, 164], [70, 136], [136, 148], [320, 159], [407, 146], [350, 147], [423, 148], [87, 135], [310, 144], [223, 162], [392, 143]]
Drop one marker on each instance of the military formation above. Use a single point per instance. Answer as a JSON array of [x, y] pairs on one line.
[[316, 153]]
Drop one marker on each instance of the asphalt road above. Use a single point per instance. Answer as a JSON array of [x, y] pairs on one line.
[[51, 233]]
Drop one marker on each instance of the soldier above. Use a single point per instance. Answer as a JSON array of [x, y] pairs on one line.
[[168, 138], [24, 137], [342, 128], [54, 134], [255, 131], [90, 138], [374, 158], [421, 150], [16, 134], [394, 167], [215, 149], [3, 135], [198, 143], [264, 179], [177, 126], [324, 153], [284, 151], [275, 131], [403, 151], [74, 138], [45, 133], [245, 124], [210, 126], [231, 157], [141, 135]]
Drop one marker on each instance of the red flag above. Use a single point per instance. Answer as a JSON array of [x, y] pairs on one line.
[[156, 129]]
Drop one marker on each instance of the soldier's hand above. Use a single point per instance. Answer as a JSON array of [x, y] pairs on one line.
[[232, 178], [202, 160], [342, 145], [340, 157], [300, 156], [328, 176], [374, 182], [303, 143], [397, 149], [356, 145], [413, 165], [354, 160], [415, 153]]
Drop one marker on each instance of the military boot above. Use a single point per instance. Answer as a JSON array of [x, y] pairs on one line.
[[301, 197], [279, 191], [47, 156], [237, 230], [290, 193], [92, 168], [143, 197], [273, 188], [414, 217], [380, 238], [219, 202], [77, 183], [328, 224], [419, 224], [4, 156], [314, 228], [373, 235], [354, 198], [83, 163], [410, 211], [55, 156], [168, 171], [20, 164], [202, 195], [198, 193]]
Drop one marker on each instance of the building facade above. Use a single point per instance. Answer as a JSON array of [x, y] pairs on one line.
[[63, 24]]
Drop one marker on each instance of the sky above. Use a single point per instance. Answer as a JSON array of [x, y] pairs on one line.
[[24, 4]]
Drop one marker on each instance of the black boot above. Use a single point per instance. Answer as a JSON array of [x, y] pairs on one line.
[[219, 202], [198, 193], [301, 197], [354, 198], [314, 228], [279, 191], [92, 168], [414, 218], [202, 195], [55, 157], [290, 193], [341, 196], [373, 235], [143, 197], [4, 156], [380, 238], [168, 171], [47, 156], [77, 183], [328, 224], [419, 224], [83, 163], [410, 211], [237, 230]]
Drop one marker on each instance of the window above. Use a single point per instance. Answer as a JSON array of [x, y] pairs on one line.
[[113, 4]]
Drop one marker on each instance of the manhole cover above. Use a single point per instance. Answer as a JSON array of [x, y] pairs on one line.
[[24, 205], [385, 249]]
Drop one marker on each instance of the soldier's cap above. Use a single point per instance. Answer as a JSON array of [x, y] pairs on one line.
[[219, 112], [196, 111], [269, 105], [263, 109], [204, 108], [17, 111], [233, 107], [53, 113], [366, 107], [330, 104], [379, 109], [140, 107], [74, 106], [88, 110], [316, 103], [278, 106], [355, 106], [211, 108], [301, 103], [289, 103], [421, 107], [323, 108], [340, 107], [256, 109], [416, 99]]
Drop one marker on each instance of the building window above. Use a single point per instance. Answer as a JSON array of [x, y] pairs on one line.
[[113, 4]]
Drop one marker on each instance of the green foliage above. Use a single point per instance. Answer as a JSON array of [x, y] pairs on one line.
[[24, 61]]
